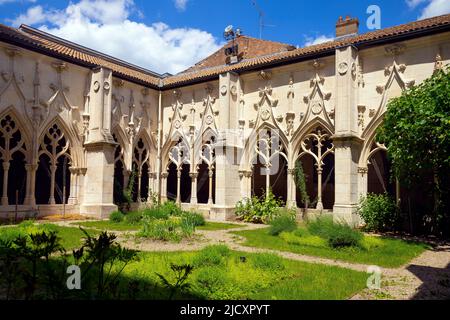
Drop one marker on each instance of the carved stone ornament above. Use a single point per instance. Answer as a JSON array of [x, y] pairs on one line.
[[96, 86], [223, 90], [342, 68], [316, 107]]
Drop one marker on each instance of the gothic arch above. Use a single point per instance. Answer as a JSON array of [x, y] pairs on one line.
[[14, 155], [55, 158]]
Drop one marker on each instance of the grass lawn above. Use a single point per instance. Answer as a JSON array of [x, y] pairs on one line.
[[124, 226], [71, 238], [261, 276], [212, 226], [389, 253]]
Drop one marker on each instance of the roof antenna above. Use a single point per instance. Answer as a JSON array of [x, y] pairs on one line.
[[261, 14]]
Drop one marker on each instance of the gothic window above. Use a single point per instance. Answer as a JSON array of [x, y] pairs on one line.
[[12, 158], [141, 166], [119, 168], [206, 171], [53, 176], [178, 173]]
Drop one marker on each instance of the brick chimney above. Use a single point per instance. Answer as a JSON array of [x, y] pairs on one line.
[[346, 27]]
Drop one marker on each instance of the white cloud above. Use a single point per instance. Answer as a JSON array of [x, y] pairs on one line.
[[429, 8], [310, 41], [109, 29], [435, 8], [414, 3], [181, 4]]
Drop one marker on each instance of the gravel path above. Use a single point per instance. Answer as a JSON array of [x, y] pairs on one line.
[[425, 277]]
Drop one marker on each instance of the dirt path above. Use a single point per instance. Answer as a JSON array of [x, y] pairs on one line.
[[425, 277]]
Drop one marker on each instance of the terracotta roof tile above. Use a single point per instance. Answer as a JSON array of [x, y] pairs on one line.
[[257, 53]]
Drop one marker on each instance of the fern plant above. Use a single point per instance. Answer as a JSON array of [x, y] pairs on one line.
[[182, 273]]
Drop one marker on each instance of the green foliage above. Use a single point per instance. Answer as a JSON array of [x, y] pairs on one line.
[[213, 255], [116, 217], [133, 217], [337, 234], [268, 261], [182, 273], [258, 210], [416, 131], [193, 218], [98, 255], [303, 239], [300, 182], [285, 220], [173, 229], [211, 281], [379, 212]]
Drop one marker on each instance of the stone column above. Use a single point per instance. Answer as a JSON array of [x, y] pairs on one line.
[[362, 181], [194, 176], [228, 150], [346, 139], [73, 186], [291, 189], [53, 168], [164, 176], [126, 178], [6, 166], [210, 196], [100, 148], [138, 191], [179, 186], [30, 198]]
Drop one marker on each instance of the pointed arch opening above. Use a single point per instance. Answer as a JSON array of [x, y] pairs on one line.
[[269, 165], [53, 174], [178, 170], [317, 157], [13, 158], [206, 183]]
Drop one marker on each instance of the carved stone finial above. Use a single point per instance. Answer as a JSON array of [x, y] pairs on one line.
[[59, 66]]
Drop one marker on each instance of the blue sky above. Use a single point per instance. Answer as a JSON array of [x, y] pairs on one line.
[[171, 35]]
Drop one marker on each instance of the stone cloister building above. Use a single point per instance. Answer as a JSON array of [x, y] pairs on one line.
[[78, 126]]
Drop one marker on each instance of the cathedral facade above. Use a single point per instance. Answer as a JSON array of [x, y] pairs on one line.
[[78, 127]]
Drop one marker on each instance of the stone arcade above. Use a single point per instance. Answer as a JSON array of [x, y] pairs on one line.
[[76, 126]]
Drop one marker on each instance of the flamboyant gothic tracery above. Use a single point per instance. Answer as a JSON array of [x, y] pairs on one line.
[[93, 137]]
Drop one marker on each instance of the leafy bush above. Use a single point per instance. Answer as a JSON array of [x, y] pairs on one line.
[[211, 281], [156, 213], [284, 221], [258, 210], [378, 211], [116, 217], [213, 255], [173, 229], [193, 218], [369, 243], [133, 217], [337, 234], [268, 261], [170, 208]]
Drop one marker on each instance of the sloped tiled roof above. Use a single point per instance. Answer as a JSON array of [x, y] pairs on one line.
[[260, 53], [36, 40], [249, 48]]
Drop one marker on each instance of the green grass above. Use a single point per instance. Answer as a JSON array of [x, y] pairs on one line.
[[386, 253], [124, 226], [108, 225], [234, 279], [71, 238], [212, 226]]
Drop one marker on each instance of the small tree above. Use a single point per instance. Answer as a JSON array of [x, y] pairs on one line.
[[300, 182], [416, 131]]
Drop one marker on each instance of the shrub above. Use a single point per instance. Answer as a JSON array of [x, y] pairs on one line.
[[116, 217], [133, 217], [211, 281], [337, 234], [213, 255], [193, 218], [170, 208], [284, 221], [268, 261], [155, 213], [258, 210], [379, 212], [369, 243], [166, 230]]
